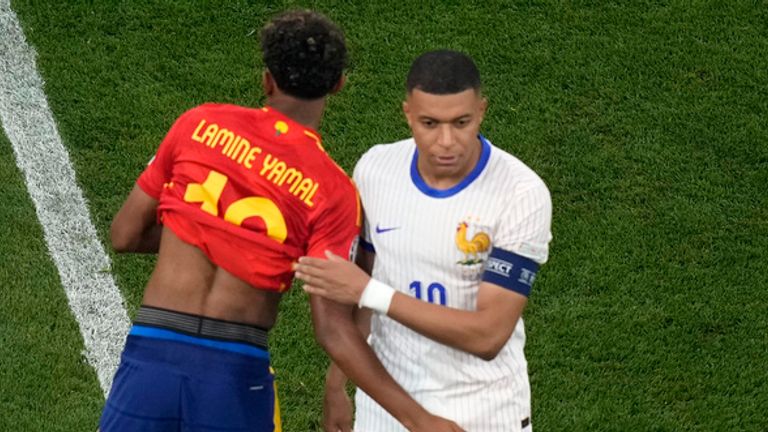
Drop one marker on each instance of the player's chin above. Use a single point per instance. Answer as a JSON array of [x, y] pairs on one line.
[[447, 170]]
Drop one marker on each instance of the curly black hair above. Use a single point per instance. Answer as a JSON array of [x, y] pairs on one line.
[[305, 52], [443, 72]]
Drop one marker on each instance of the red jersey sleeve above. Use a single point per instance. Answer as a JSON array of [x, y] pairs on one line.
[[338, 226], [160, 167]]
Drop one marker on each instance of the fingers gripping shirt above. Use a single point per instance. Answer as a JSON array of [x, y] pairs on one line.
[[253, 190]]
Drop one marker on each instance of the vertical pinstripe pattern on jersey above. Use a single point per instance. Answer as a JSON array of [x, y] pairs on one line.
[[509, 202], [370, 416]]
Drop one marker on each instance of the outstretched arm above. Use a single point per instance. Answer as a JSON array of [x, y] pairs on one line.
[[135, 227], [337, 406], [482, 332], [337, 333], [520, 245]]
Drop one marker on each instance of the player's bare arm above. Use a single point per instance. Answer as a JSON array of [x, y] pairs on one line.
[[482, 332], [337, 333], [135, 227], [337, 406]]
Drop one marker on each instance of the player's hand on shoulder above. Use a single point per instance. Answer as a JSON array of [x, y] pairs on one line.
[[334, 278]]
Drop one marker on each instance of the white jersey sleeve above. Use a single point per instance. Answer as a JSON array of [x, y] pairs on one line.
[[525, 222]]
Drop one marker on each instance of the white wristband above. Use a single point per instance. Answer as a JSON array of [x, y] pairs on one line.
[[377, 296]]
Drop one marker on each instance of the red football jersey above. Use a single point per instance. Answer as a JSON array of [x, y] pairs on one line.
[[252, 189]]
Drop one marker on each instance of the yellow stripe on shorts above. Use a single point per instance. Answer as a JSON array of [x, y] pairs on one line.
[[278, 423]]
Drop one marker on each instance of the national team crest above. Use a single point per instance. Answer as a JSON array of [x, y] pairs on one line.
[[281, 127], [472, 248]]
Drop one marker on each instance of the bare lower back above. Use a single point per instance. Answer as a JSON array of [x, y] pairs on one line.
[[184, 280]]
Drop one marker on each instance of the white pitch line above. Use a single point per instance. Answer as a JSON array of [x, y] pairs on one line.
[[63, 212]]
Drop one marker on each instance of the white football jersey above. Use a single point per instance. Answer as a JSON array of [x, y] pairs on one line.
[[433, 244]]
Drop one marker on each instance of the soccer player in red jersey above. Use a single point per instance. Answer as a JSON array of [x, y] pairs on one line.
[[232, 198]]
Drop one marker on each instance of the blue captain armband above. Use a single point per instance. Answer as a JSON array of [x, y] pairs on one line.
[[511, 271]]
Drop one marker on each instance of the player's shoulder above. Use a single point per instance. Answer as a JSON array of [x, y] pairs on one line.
[[381, 157], [338, 190], [512, 173], [334, 177]]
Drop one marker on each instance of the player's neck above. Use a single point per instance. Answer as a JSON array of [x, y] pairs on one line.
[[306, 112], [443, 178]]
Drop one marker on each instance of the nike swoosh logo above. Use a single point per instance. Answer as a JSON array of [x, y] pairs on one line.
[[380, 230]]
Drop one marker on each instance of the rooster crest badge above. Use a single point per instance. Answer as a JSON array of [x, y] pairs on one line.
[[472, 248]]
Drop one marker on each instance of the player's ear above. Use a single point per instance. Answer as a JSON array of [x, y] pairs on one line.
[[407, 111], [268, 83], [483, 106], [339, 85]]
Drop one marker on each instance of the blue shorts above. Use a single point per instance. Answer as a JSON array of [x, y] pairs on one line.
[[171, 380]]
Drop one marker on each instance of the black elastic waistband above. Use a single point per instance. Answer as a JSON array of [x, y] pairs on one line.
[[202, 326]]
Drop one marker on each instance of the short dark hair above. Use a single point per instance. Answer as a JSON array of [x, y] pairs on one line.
[[305, 52], [443, 72]]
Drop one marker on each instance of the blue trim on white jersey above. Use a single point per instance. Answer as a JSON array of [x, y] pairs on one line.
[[510, 270], [158, 333], [445, 193]]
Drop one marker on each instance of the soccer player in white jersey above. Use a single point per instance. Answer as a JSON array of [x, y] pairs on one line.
[[455, 231]]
